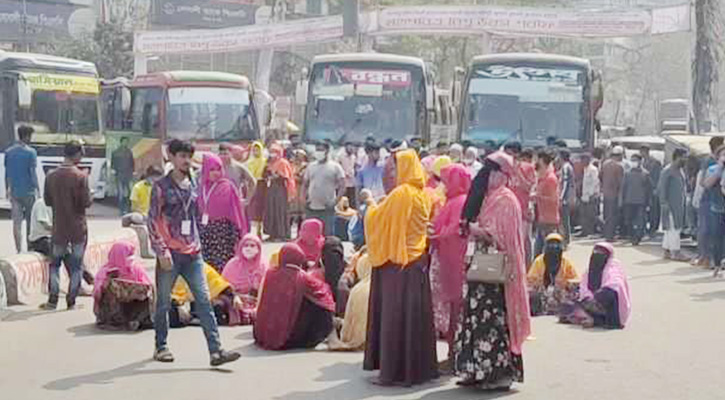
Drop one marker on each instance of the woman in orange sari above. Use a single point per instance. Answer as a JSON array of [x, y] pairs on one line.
[[281, 186], [401, 337]]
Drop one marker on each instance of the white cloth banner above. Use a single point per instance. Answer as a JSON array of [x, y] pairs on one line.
[[313, 30]]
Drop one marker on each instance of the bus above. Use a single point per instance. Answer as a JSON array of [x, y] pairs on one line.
[[533, 98], [59, 98], [350, 97], [204, 107]]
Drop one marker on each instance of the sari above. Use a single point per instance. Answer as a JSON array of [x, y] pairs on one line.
[[311, 240], [123, 292], [221, 297], [281, 187], [449, 250], [552, 279], [223, 220], [354, 328], [245, 276], [401, 309], [496, 316], [295, 307]]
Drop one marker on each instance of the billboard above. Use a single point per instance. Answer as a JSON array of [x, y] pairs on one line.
[[202, 13], [45, 21]]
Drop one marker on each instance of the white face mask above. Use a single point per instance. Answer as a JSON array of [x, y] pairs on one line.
[[320, 155], [468, 161], [250, 252]]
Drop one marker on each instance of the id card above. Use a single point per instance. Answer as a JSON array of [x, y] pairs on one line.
[[205, 219], [471, 249], [186, 227]]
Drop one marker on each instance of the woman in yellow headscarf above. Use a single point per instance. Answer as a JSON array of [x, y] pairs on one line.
[[552, 278], [401, 309], [256, 164]]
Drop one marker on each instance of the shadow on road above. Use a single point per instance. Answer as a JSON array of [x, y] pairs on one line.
[[93, 330], [125, 371], [710, 296], [15, 316]]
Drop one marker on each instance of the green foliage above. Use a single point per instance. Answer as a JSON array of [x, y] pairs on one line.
[[109, 46]]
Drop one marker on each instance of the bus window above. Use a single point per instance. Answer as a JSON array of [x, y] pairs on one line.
[[63, 112], [144, 116]]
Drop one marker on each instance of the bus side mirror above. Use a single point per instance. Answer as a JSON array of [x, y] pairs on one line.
[[25, 94], [125, 100], [301, 92], [430, 98]]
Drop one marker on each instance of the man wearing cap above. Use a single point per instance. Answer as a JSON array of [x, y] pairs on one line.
[[612, 175]]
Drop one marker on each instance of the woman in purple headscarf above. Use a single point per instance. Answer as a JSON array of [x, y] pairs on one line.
[[604, 298], [223, 221]]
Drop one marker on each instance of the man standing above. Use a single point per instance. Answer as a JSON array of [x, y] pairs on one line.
[[671, 189], [547, 200], [590, 196], [173, 228], [21, 182], [567, 192], [348, 161], [654, 168], [123, 166], [612, 174], [371, 175], [711, 205], [323, 183], [636, 194], [67, 193]]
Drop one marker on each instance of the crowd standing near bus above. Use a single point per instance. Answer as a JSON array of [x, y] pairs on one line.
[[412, 214]]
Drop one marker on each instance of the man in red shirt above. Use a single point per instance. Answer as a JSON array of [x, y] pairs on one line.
[[547, 199]]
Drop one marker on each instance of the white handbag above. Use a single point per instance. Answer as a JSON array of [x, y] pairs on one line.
[[486, 266]]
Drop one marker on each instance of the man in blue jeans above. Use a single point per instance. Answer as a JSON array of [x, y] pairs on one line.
[[174, 233], [66, 192], [21, 182]]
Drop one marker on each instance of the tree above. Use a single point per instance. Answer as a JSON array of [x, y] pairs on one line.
[[109, 46], [705, 72]]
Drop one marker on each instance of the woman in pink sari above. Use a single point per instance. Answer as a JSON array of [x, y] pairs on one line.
[[449, 250], [123, 293], [245, 272], [496, 319], [604, 298], [223, 221], [311, 239], [296, 308]]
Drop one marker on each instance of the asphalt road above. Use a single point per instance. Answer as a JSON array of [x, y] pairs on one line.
[[672, 349]]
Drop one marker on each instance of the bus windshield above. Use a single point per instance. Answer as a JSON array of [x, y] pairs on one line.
[[62, 112], [529, 104], [352, 102], [208, 113]]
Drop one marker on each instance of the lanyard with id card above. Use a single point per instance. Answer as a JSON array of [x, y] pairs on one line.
[[206, 195], [186, 222]]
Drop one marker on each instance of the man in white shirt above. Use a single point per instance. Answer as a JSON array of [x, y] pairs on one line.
[[591, 189], [348, 161], [323, 184], [41, 227]]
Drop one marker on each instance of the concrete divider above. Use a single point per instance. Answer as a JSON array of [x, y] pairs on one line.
[[3, 295], [26, 274]]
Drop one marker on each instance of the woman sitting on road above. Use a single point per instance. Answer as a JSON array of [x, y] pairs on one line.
[[245, 272], [354, 327], [311, 239], [123, 293], [604, 299], [552, 278], [296, 308]]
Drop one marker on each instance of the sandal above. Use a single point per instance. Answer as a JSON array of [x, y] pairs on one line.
[[163, 355]]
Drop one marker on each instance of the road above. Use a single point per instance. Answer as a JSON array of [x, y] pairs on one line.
[[671, 350]]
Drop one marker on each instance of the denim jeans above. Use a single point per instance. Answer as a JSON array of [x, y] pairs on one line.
[[20, 211], [714, 237], [73, 257], [191, 267], [123, 188]]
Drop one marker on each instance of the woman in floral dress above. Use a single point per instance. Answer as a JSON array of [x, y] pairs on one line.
[[495, 321]]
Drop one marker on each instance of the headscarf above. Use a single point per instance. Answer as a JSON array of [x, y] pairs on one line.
[[311, 238], [220, 199], [245, 275], [256, 165], [122, 261], [610, 276], [500, 217], [448, 244], [480, 186], [395, 230], [333, 261], [439, 163], [553, 252], [427, 163], [283, 168]]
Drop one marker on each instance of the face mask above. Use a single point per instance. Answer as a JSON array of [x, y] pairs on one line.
[[320, 155], [637, 164], [250, 252], [468, 161]]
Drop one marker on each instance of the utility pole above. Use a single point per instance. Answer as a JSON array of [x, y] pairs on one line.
[[24, 25]]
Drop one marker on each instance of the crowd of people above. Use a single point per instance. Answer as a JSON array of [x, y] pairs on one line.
[[418, 219]]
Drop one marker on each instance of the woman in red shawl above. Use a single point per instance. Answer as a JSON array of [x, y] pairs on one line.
[[281, 187], [296, 307], [496, 320], [223, 221], [123, 293], [311, 239], [449, 250]]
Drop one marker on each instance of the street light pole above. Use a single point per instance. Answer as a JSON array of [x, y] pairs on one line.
[[24, 23]]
